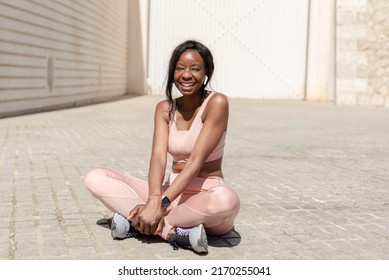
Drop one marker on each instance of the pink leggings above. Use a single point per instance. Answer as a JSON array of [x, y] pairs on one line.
[[205, 201]]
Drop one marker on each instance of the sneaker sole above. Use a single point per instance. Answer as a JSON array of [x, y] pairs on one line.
[[198, 239]]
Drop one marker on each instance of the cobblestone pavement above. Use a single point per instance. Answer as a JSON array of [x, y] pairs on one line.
[[313, 181]]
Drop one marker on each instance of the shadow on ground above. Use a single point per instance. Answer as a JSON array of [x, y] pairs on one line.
[[229, 239]]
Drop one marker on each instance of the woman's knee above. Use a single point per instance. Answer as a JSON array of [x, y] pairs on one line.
[[93, 178], [225, 199]]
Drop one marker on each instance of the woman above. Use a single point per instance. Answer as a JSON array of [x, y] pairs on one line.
[[192, 128]]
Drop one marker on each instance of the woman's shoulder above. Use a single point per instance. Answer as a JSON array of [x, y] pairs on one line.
[[217, 105], [163, 105], [163, 108], [217, 99]]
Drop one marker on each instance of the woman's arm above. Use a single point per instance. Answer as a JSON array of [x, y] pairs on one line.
[[215, 124], [145, 218], [158, 156]]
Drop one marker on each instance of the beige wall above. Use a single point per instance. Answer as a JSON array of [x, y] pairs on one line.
[[362, 53], [55, 53], [137, 46], [320, 77]]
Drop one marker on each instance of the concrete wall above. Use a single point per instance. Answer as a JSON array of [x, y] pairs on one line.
[[57, 53], [320, 78], [362, 52], [138, 12]]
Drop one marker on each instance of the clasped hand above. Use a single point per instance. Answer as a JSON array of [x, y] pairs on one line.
[[147, 219]]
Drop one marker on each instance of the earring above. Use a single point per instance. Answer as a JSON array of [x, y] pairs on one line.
[[205, 80]]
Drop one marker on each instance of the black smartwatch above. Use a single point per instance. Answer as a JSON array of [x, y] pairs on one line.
[[165, 202]]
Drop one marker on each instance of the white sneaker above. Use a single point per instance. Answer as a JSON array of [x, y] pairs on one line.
[[121, 228]]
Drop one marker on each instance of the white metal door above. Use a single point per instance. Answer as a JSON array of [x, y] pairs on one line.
[[259, 46]]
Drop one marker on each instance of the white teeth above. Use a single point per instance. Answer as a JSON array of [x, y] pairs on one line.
[[187, 85]]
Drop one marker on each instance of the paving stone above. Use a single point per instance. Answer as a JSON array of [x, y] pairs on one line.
[[312, 178]]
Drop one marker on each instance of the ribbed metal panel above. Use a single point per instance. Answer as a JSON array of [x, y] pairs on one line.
[[259, 45], [55, 52]]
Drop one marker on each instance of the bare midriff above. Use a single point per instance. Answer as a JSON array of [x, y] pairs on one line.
[[209, 169]]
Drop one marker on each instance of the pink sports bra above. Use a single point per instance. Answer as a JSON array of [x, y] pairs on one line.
[[182, 142]]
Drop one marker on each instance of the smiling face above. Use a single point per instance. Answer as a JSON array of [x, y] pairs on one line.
[[189, 72]]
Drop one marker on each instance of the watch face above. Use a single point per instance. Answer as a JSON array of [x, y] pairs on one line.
[[165, 201]]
